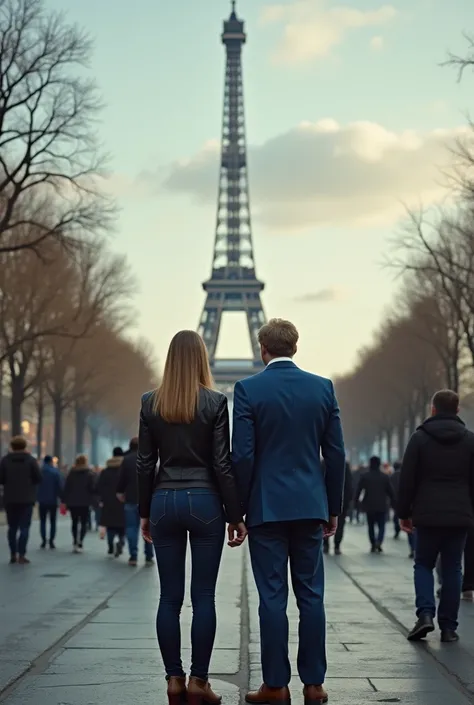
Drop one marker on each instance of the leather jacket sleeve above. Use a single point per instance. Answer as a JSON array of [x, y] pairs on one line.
[[222, 464], [147, 459]]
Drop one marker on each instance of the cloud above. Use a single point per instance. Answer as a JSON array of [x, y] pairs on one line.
[[311, 28], [376, 43], [320, 297], [324, 173]]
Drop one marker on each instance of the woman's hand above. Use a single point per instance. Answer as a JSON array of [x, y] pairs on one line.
[[145, 526], [237, 533]]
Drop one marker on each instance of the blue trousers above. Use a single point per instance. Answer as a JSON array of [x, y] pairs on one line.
[[272, 547], [376, 520], [19, 522], [132, 531], [46, 510], [174, 515], [448, 543]]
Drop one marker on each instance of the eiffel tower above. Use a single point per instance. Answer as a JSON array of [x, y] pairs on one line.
[[233, 284]]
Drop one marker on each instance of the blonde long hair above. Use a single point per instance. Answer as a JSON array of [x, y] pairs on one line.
[[186, 371]]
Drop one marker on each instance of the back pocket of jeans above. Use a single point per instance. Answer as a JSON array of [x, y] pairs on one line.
[[158, 507], [205, 507]]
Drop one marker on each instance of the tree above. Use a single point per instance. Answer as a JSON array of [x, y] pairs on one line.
[[50, 162]]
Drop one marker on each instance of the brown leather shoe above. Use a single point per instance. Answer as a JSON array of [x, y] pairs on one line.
[[267, 696], [314, 695], [200, 692], [176, 690]]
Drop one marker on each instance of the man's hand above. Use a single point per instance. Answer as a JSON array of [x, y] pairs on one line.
[[406, 525], [330, 528], [237, 534], [145, 526], [121, 498]]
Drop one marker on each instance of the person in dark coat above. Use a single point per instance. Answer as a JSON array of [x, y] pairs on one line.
[[127, 492], [356, 504], [436, 497], [20, 475], [378, 496], [79, 492], [347, 501], [395, 481], [49, 494], [112, 514]]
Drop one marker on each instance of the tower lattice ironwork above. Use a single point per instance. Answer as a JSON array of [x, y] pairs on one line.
[[233, 285]]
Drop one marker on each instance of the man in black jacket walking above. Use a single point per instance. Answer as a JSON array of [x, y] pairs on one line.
[[378, 496], [436, 496], [127, 492]]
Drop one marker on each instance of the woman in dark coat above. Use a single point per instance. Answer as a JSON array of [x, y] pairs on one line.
[[78, 497], [112, 512]]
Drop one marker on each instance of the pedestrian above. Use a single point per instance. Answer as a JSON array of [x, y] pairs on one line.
[[127, 492], [20, 476], [436, 497], [112, 515], [186, 422], [357, 512], [348, 496], [378, 496], [49, 495], [284, 419], [79, 492], [395, 480]]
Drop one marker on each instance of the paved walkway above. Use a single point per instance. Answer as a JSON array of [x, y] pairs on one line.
[[79, 630]]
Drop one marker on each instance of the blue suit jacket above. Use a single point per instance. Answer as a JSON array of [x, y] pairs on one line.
[[284, 418]]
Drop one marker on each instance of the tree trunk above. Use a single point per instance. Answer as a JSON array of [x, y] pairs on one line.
[[17, 395], [58, 428], [81, 419], [389, 437], [94, 444], [401, 441], [40, 423]]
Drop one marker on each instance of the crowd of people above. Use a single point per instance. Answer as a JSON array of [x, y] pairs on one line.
[[104, 500], [286, 486]]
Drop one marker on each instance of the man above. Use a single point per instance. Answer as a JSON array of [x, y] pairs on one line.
[[436, 496], [377, 496], [19, 475], [112, 515], [348, 494], [127, 492], [49, 495], [283, 420]]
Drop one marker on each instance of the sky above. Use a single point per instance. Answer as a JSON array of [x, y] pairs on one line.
[[348, 113]]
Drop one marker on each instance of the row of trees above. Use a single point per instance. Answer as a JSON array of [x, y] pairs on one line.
[[64, 295], [427, 339]]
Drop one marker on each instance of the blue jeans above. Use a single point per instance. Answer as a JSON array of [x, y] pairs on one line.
[[46, 510], [448, 543], [19, 522], [174, 514], [272, 546], [376, 520], [132, 531]]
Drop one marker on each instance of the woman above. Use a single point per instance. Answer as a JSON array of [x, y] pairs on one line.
[[112, 515], [78, 497], [186, 423]]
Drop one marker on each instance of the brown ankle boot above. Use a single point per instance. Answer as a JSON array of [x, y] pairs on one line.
[[269, 696], [315, 695], [176, 690], [200, 693]]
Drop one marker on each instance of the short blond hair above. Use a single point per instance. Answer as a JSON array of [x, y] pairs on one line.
[[279, 337]]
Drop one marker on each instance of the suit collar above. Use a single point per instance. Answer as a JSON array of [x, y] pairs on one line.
[[280, 364]]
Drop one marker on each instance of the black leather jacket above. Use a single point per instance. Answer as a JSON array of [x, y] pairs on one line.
[[191, 455]]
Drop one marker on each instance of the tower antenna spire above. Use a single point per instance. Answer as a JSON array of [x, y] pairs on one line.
[[233, 5]]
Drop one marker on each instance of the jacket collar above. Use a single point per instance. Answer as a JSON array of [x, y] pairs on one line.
[[280, 363]]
